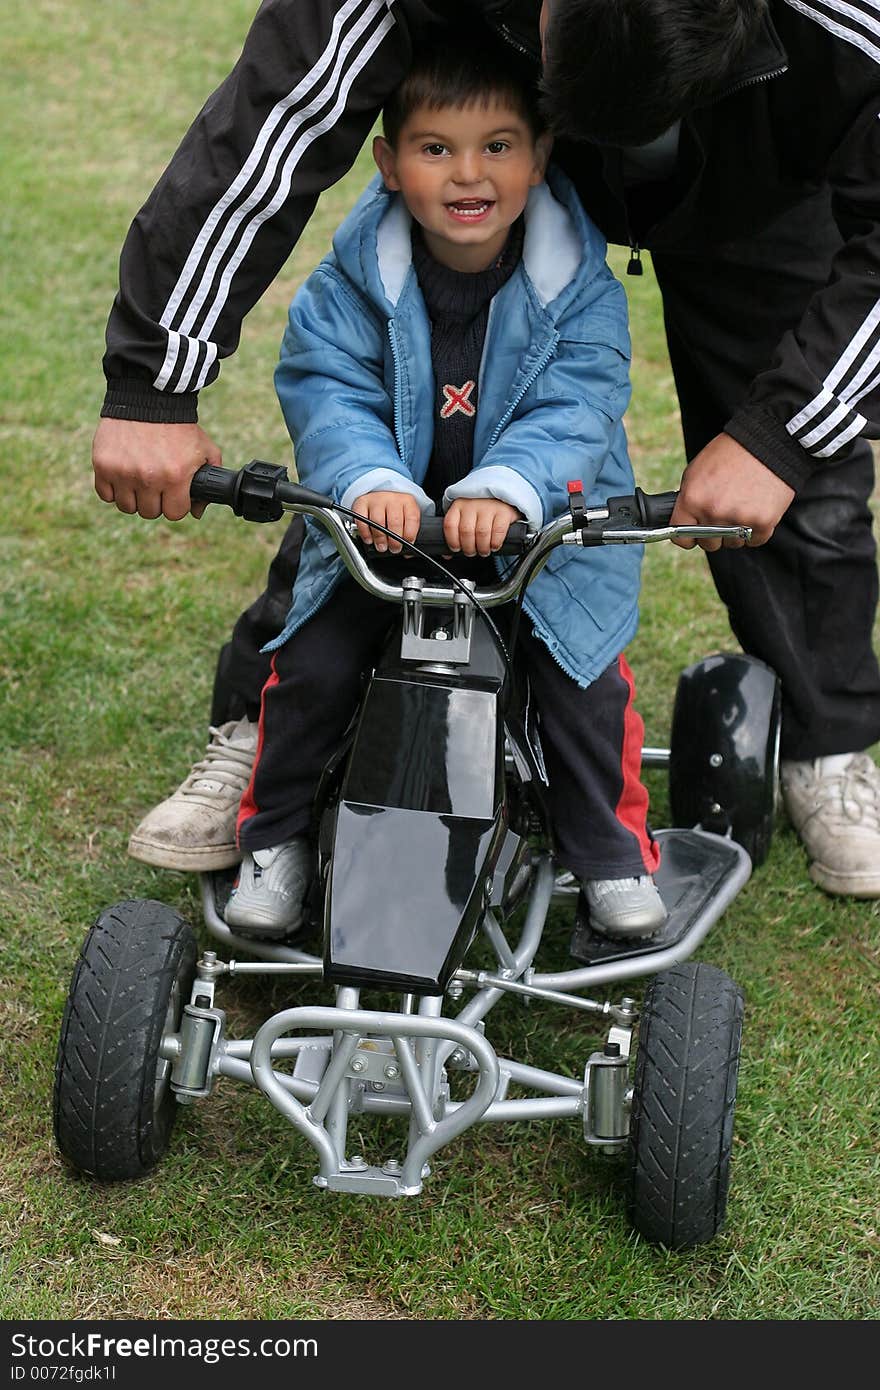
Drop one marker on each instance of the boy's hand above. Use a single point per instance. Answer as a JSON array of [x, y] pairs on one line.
[[478, 525], [399, 511]]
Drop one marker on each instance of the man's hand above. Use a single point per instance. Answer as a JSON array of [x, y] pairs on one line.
[[725, 485], [147, 468], [478, 525], [399, 511]]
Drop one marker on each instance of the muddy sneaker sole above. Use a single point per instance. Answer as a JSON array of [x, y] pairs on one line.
[[200, 859]]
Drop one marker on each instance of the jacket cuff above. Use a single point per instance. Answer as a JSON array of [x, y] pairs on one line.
[[506, 485], [386, 480], [765, 436], [128, 398]]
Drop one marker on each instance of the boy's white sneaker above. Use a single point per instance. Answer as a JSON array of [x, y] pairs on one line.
[[268, 896], [625, 907], [834, 805], [194, 828]]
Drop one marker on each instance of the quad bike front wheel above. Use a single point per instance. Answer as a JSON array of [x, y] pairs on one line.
[[113, 1105], [684, 1094]]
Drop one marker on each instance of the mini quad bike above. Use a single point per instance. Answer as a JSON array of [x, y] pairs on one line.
[[431, 841]]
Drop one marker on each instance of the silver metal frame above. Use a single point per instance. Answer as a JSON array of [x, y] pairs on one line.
[[348, 1059]]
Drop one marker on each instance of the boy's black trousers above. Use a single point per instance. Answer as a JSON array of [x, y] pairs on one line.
[[591, 738], [805, 602]]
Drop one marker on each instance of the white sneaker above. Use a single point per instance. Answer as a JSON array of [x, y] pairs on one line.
[[268, 896], [834, 805], [194, 828], [625, 907]]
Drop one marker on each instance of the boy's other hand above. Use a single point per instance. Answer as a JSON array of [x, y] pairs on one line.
[[147, 468], [399, 511], [478, 525]]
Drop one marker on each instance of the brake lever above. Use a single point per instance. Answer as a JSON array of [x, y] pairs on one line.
[[636, 519], [632, 535]]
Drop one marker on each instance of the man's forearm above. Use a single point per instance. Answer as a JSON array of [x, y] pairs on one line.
[[287, 123]]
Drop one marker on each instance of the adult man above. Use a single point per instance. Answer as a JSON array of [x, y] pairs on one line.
[[739, 142]]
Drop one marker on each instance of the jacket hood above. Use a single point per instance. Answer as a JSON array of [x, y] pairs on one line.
[[562, 250]]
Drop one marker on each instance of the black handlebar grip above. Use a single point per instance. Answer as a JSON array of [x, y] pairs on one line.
[[655, 509], [213, 484], [431, 539], [255, 492]]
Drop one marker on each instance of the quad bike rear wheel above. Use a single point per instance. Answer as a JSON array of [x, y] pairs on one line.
[[724, 750], [684, 1095], [113, 1104]]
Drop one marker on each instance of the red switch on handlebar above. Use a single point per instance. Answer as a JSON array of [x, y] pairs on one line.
[[576, 502]]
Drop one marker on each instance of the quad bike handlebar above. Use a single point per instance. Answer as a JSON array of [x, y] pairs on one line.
[[263, 492]]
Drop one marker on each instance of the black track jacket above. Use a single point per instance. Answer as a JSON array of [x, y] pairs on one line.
[[289, 120]]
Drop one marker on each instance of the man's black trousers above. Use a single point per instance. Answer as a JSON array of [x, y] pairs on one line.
[[805, 602]]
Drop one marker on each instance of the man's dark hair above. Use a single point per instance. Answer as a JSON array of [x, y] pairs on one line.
[[460, 66], [621, 72]]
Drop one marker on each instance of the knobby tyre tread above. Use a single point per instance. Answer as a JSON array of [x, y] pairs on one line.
[[684, 1095], [109, 1119]]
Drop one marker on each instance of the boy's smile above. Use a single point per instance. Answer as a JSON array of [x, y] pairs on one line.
[[464, 174], [470, 209]]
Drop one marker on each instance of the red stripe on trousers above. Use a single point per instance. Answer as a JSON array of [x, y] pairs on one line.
[[248, 806], [632, 808]]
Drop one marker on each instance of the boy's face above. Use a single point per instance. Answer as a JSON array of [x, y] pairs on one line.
[[464, 174]]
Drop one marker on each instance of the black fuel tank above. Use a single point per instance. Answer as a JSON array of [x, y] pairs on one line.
[[419, 827]]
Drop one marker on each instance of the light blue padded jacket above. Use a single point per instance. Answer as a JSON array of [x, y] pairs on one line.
[[357, 390]]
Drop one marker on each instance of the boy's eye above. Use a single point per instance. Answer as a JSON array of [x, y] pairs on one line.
[[434, 150], [497, 146]]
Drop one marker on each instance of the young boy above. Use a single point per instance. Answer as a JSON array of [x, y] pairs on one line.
[[463, 348]]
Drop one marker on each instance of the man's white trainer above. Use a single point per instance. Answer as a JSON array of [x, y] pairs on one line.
[[194, 829], [834, 805]]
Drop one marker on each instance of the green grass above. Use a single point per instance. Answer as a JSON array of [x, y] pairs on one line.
[[110, 627]]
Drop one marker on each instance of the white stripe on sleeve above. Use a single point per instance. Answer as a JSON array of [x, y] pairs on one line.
[[328, 81]]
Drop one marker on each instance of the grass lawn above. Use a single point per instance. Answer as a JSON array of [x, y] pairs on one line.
[[110, 627]]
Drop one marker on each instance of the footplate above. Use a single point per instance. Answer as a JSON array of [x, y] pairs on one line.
[[698, 875]]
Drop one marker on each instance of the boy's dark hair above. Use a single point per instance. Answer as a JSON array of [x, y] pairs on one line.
[[621, 72], [464, 65]]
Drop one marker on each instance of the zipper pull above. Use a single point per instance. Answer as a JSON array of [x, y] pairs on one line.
[[635, 266]]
